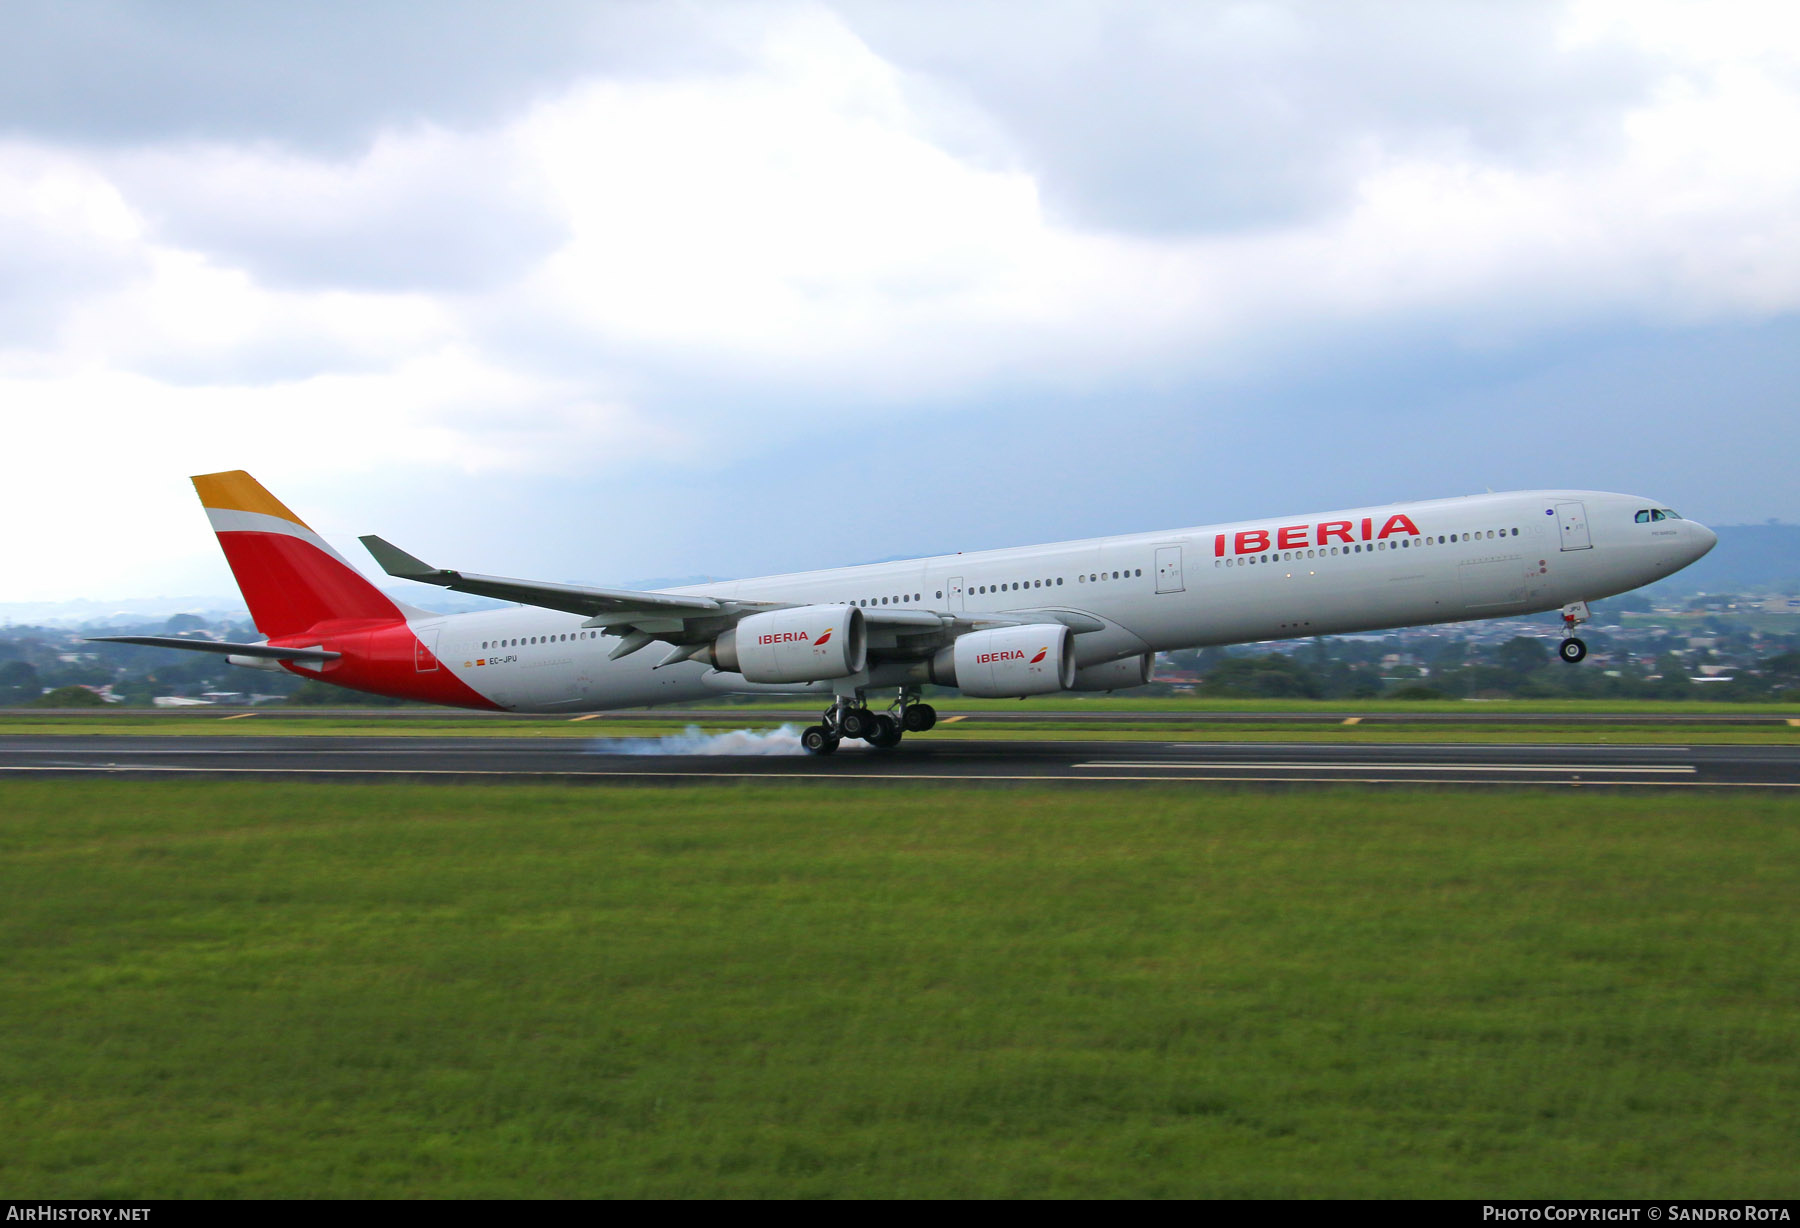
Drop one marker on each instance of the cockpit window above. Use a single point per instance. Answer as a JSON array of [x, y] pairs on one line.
[[1643, 516], [1656, 514], [1669, 514]]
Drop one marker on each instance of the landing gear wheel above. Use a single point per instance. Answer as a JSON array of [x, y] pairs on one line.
[[856, 722], [818, 740], [919, 718], [886, 732], [1573, 650]]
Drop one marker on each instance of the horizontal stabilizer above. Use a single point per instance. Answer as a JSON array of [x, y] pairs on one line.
[[266, 651]]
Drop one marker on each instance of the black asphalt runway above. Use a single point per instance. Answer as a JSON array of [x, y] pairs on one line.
[[920, 759], [1064, 716]]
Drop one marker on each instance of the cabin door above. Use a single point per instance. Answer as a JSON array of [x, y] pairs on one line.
[[1168, 569], [425, 649], [1571, 518]]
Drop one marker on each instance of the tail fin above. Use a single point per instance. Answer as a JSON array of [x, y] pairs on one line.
[[291, 580]]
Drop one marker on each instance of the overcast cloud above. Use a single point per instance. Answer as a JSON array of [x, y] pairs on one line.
[[596, 292]]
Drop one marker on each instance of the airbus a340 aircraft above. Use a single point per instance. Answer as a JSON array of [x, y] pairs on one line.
[[1034, 620]]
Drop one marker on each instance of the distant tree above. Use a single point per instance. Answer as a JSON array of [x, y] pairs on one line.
[[1276, 676], [1521, 655], [1781, 675], [183, 622], [19, 682], [69, 697], [1674, 683], [1451, 654]]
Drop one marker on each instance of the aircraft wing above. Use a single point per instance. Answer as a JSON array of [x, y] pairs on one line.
[[601, 606], [689, 622]]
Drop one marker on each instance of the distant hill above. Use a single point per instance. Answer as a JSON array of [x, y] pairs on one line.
[[1748, 557]]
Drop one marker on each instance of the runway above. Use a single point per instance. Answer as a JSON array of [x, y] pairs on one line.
[[975, 718], [919, 760]]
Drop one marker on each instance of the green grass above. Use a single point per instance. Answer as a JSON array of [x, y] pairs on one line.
[[279, 990]]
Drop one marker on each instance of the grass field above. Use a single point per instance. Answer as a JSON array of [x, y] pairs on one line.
[[1331, 726], [288, 990]]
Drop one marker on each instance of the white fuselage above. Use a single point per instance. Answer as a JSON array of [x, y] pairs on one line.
[[1443, 560]]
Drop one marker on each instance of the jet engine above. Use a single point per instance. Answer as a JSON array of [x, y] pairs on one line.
[[1116, 675], [1008, 662], [807, 644]]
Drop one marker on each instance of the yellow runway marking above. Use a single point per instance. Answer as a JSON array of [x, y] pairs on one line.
[[1353, 720], [1794, 722], [592, 716], [238, 717], [951, 720]]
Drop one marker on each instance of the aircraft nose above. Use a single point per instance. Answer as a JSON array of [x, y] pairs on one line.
[[1700, 538]]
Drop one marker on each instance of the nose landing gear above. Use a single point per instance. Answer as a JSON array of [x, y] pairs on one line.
[[1574, 614]]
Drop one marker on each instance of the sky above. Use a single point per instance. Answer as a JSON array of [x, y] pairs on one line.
[[610, 292]]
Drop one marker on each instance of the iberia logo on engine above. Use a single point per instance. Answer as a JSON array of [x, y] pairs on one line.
[[786, 637], [987, 658]]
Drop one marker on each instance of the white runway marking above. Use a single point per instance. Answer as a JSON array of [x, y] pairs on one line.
[[1208, 764]]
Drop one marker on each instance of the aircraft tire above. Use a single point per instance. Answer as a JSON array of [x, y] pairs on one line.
[[1572, 650], [920, 717], [857, 722], [886, 733], [818, 740]]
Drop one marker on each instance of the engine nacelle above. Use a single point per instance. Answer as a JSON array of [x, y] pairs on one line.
[[1116, 675], [808, 644], [1008, 662]]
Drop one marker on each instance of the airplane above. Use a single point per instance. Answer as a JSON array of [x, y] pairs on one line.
[[1079, 616]]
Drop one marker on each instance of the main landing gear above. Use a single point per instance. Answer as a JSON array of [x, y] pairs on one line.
[[1574, 614], [849, 718]]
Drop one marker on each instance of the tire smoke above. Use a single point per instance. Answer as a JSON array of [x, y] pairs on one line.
[[691, 741]]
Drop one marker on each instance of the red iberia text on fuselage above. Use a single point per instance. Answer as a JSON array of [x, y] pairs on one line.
[[1300, 536]]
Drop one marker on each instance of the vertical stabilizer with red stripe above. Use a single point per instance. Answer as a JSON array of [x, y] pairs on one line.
[[303, 594], [292, 581]]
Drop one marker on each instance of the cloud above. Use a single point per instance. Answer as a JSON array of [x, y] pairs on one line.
[[1165, 120], [423, 209], [656, 264], [326, 77]]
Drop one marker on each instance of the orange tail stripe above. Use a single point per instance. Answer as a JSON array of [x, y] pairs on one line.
[[237, 491]]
